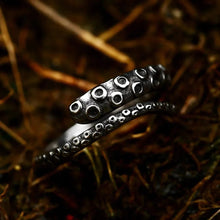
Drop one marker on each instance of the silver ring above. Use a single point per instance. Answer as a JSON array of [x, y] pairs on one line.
[[107, 107]]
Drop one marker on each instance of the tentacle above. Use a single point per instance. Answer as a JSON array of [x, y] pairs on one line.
[[116, 92], [101, 128]]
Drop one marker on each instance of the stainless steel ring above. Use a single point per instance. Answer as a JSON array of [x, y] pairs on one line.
[[107, 107]]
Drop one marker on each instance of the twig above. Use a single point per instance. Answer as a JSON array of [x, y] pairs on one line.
[[69, 199], [214, 215], [96, 152], [134, 14], [12, 134], [164, 6], [110, 210], [180, 72], [196, 188], [188, 202], [3, 100], [190, 102], [11, 52], [189, 8], [61, 77], [48, 175], [13, 162], [109, 169], [82, 34], [2, 210], [141, 178], [192, 155], [2, 195], [89, 155]]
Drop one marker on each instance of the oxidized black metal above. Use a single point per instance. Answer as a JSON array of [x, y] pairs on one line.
[[118, 91], [106, 106]]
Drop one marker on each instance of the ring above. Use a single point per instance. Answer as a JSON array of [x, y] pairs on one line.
[[107, 107]]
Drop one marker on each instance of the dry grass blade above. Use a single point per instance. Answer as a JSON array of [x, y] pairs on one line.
[[82, 34], [11, 52], [188, 202], [48, 175], [189, 8], [191, 100], [141, 178], [214, 215], [96, 153], [180, 72], [61, 77], [3, 214], [192, 155], [89, 155], [135, 13], [196, 188], [109, 169], [3, 100], [12, 134], [2, 195]]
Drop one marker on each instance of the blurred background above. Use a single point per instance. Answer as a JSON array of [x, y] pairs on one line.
[[156, 167]]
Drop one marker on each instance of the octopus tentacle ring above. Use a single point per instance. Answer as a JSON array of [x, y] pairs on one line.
[[106, 107]]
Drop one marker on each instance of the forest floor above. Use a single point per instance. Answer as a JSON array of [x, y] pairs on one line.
[[155, 167]]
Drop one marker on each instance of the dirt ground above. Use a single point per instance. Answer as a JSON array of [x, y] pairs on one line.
[[155, 167]]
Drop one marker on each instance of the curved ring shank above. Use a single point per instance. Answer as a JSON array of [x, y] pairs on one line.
[[105, 108], [65, 147]]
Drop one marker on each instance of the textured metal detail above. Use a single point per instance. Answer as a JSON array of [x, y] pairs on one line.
[[152, 69], [96, 135], [99, 93], [84, 142], [141, 73], [117, 98], [65, 154], [87, 134], [75, 107], [98, 106], [109, 127], [74, 148], [51, 153], [134, 112], [148, 107], [112, 119], [62, 154], [139, 106], [121, 82], [118, 91], [93, 111], [76, 141], [137, 88], [59, 150], [126, 112], [99, 127], [66, 146], [121, 119]]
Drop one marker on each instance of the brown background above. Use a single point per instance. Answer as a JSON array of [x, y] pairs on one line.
[[156, 167]]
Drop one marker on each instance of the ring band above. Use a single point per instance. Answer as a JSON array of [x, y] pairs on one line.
[[116, 92], [107, 107]]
